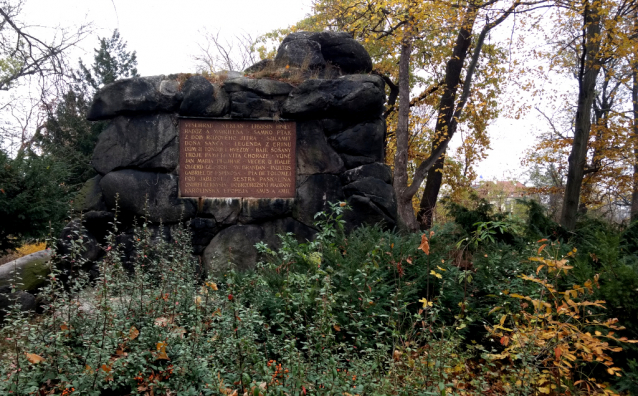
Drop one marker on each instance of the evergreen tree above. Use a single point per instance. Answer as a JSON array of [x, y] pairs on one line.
[[31, 197], [111, 61]]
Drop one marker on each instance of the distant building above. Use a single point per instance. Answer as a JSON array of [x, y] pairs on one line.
[[501, 194]]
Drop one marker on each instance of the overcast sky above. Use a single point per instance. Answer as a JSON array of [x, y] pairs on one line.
[[165, 35]]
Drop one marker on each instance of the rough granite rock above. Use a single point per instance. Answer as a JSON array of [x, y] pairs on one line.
[[354, 97], [72, 232], [262, 87], [299, 52], [314, 194], [334, 125], [7, 299], [314, 154], [338, 154], [379, 192], [30, 269], [225, 211], [259, 66], [259, 209], [146, 142], [354, 161], [250, 105], [364, 211], [90, 197], [272, 230], [340, 49], [203, 99], [233, 247], [134, 187], [378, 170], [99, 223], [203, 230], [362, 140], [139, 95]]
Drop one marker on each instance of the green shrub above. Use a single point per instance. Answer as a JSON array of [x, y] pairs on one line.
[[373, 312], [32, 198]]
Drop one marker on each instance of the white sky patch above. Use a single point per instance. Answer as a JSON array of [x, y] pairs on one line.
[[165, 32]]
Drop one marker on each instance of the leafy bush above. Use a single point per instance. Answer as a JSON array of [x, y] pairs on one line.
[[373, 313]]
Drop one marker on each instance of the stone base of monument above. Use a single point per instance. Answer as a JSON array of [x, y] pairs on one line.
[[338, 139]]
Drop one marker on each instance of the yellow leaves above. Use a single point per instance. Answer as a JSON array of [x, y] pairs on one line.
[[432, 272], [133, 333], [425, 246], [425, 302], [33, 358], [494, 310], [212, 285], [614, 371]]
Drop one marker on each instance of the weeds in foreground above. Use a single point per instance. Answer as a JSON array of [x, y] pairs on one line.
[[372, 314]]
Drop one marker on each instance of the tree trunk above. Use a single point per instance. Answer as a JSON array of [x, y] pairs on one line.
[[634, 98], [453, 71], [406, 218], [589, 69]]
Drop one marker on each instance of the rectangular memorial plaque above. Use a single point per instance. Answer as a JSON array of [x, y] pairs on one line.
[[231, 158]]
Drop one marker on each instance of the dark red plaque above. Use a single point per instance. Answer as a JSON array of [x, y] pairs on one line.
[[232, 159]]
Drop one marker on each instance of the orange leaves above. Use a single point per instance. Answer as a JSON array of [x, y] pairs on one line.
[[425, 246], [33, 358], [337, 327], [161, 351], [133, 333], [540, 249]]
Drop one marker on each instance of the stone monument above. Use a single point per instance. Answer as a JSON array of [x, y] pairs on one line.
[[242, 158]]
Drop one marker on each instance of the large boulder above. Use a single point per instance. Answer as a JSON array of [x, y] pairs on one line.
[[379, 192], [146, 142], [378, 170], [354, 97], [273, 229], [28, 272], [250, 105], [340, 49], [365, 212], [202, 230], [134, 96], [363, 140], [313, 195], [90, 197], [203, 99], [26, 301], [157, 191], [314, 154], [355, 161], [262, 87], [298, 51], [314, 50], [233, 247]]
